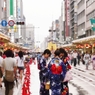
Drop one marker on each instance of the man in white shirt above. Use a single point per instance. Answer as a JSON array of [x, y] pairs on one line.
[[74, 55], [9, 65]]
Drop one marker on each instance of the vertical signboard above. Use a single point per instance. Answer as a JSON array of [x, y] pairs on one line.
[[67, 23], [11, 7], [68, 12], [19, 9]]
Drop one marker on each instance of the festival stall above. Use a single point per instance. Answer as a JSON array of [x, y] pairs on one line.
[[69, 47], [86, 44], [11, 46], [4, 39]]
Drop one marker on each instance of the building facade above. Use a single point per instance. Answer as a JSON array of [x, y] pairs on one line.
[[19, 18], [44, 44], [1, 13], [73, 19], [81, 15], [30, 36], [61, 24], [90, 13]]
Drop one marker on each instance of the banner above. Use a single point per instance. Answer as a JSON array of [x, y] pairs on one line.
[[11, 7]]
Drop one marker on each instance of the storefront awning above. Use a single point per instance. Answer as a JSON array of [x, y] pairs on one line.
[[68, 45], [4, 38], [89, 39]]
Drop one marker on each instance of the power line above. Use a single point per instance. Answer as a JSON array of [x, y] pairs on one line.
[[19, 27]]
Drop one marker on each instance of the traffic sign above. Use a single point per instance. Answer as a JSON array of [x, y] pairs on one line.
[[11, 23], [4, 23]]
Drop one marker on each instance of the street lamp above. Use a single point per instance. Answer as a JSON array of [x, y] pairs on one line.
[[52, 33]]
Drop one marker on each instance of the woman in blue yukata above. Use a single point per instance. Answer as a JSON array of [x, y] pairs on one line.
[[57, 71], [64, 56], [43, 72]]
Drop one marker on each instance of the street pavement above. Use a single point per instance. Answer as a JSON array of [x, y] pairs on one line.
[[35, 84], [83, 68], [83, 80], [77, 86]]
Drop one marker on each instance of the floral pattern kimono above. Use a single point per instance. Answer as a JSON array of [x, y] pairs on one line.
[[64, 85], [43, 77], [57, 73]]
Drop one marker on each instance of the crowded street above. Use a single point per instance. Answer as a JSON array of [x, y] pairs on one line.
[[83, 82], [47, 47]]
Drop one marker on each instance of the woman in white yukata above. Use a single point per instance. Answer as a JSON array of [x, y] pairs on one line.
[[87, 59]]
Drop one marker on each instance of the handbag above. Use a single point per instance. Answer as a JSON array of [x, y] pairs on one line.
[[68, 76], [47, 85], [9, 76]]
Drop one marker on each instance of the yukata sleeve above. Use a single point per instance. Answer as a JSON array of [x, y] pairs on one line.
[[49, 65], [42, 64], [48, 68]]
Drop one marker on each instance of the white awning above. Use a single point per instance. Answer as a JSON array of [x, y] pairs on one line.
[[67, 45], [86, 39]]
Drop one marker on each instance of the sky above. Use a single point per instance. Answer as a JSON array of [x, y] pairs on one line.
[[41, 13]]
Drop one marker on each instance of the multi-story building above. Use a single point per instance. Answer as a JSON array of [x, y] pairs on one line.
[[44, 44], [1, 13], [19, 18], [52, 30], [56, 28], [81, 16], [1, 9], [90, 13], [73, 19], [63, 21], [30, 36], [61, 24]]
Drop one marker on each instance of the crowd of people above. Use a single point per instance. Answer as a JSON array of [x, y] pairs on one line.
[[53, 69], [86, 58], [12, 65]]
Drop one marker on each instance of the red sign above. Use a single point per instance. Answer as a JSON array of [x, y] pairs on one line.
[[11, 23]]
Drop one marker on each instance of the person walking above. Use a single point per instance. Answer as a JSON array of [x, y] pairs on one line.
[[79, 57], [87, 59], [1, 74], [82, 58], [74, 55], [9, 68], [57, 71], [20, 64], [44, 71]]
